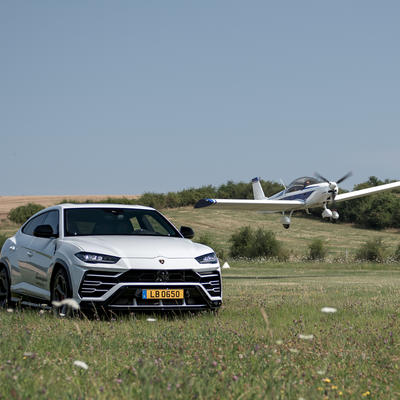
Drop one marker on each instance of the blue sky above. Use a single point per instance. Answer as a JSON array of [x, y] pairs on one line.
[[123, 97]]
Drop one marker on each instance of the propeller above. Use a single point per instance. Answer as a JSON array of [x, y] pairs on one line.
[[333, 186], [343, 178]]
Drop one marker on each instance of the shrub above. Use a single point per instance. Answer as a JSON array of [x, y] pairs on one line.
[[20, 214], [397, 253], [317, 250], [208, 240], [249, 243], [372, 250], [3, 238]]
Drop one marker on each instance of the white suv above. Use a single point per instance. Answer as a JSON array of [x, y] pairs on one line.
[[105, 255]]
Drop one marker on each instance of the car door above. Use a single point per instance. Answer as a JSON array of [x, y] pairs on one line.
[[43, 250], [22, 270]]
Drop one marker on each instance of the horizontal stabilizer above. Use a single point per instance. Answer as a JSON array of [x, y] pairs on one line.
[[204, 203]]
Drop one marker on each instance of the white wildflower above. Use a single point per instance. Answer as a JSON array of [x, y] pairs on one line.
[[80, 364], [151, 320], [68, 302], [10, 310], [328, 310], [306, 337]]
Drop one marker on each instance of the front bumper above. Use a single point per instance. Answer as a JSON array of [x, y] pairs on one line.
[[123, 290]]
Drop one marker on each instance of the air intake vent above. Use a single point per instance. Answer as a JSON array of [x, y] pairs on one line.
[[211, 281]]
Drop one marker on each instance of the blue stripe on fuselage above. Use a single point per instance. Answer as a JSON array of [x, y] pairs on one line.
[[300, 196]]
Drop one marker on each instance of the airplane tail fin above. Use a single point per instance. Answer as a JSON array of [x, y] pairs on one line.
[[257, 189]]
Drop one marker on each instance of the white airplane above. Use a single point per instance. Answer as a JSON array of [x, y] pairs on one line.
[[303, 193]]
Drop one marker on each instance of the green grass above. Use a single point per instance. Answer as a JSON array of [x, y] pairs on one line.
[[233, 354]]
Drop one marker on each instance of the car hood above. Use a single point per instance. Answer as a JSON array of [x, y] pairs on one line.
[[140, 246]]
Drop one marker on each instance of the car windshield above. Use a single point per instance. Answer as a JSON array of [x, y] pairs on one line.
[[116, 221]]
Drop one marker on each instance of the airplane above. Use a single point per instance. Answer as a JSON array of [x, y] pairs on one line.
[[302, 194]]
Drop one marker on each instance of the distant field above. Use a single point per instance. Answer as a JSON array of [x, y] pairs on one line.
[[9, 202], [269, 340], [342, 240]]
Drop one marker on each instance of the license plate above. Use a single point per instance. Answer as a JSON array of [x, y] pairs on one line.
[[162, 294]]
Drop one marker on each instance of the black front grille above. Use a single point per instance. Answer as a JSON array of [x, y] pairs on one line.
[[97, 283], [148, 275]]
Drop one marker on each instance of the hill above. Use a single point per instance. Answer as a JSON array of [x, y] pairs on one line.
[[341, 239]]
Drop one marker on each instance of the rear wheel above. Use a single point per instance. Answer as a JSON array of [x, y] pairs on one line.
[[61, 290], [5, 295]]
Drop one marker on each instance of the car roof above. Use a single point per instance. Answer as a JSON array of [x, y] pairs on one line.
[[97, 205]]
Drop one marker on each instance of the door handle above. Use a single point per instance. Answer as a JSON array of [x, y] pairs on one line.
[[30, 254]]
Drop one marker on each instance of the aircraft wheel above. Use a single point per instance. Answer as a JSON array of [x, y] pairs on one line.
[[286, 226]]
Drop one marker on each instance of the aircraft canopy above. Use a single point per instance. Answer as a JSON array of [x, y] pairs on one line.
[[301, 183]]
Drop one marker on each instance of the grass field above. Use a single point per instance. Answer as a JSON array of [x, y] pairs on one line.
[[251, 349], [270, 339], [341, 240]]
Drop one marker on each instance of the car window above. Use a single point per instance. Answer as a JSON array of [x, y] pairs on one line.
[[33, 223], [52, 220], [156, 226]]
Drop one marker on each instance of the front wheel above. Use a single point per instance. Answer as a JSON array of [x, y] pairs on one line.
[[5, 292], [61, 290]]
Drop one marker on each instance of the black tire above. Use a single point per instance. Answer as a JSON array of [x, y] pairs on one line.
[[60, 290], [5, 292]]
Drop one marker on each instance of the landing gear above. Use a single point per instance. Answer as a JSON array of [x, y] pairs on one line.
[[286, 220], [327, 213], [332, 215]]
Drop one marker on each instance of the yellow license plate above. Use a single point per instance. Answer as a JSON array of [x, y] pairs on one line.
[[162, 294]]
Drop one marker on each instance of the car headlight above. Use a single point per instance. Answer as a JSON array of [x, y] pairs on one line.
[[95, 258], [210, 258]]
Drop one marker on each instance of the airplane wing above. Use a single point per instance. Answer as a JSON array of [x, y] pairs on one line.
[[366, 192], [252, 205]]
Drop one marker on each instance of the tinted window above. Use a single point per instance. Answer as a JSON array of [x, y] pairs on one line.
[[52, 220], [33, 223], [116, 221]]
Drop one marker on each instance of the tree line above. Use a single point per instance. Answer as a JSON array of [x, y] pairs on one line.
[[376, 211]]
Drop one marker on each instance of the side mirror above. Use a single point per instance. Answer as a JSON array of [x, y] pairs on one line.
[[187, 232], [44, 231]]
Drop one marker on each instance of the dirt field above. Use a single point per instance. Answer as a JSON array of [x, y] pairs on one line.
[[9, 202]]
